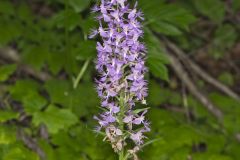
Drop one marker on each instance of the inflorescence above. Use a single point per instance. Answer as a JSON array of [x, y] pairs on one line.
[[121, 84]]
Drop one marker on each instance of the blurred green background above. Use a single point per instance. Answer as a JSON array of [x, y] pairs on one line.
[[47, 89]]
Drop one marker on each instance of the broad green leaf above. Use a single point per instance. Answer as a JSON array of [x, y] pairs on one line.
[[236, 5], [24, 13], [158, 69], [159, 95], [33, 102], [85, 50], [6, 7], [89, 143], [66, 19], [181, 17], [156, 96], [232, 149], [154, 46], [26, 92], [156, 59], [56, 62], [69, 146], [83, 106], [211, 156], [48, 150], [55, 119], [79, 5], [7, 135], [7, 115], [58, 91], [88, 24], [22, 88], [166, 118], [225, 36], [214, 9], [19, 152], [182, 153], [12, 30], [6, 71], [226, 103], [215, 142], [165, 28], [61, 92], [232, 123], [158, 12], [231, 109], [36, 56]]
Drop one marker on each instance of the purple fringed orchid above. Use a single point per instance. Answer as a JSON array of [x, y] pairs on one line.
[[121, 65]]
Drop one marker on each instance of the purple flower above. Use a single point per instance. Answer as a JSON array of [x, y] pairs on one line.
[[121, 66], [137, 137], [139, 119]]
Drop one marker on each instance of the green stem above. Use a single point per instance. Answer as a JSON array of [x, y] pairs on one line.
[[121, 155], [79, 77], [121, 124], [126, 156]]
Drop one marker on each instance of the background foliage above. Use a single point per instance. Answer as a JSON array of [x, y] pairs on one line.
[[47, 113]]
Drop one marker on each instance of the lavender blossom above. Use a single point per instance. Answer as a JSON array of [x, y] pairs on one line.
[[121, 84]]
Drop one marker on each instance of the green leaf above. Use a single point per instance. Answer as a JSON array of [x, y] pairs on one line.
[[158, 95], [136, 111], [181, 17], [231, 109], [158, 12], [59, 91], [79, 5], [56, 62], [166, 118], [6, 7], [211, 156], [86, 50], [48, 150], [24, 12], [155, 49], [22, 88], [89, 144], [33, 102], [7, 135], [82, 105], [12, 30], [88, 24], [225, 36], [165, 28], [26, 92], [156, 59], [8, 115], [236, 5], [181, 153], [227, 78], [6, 71], [55, 119], [158, 69], [36, 56], [18, 152], [232, 149], [214, 9], [62, 139], [227, 104], [66, 19]]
